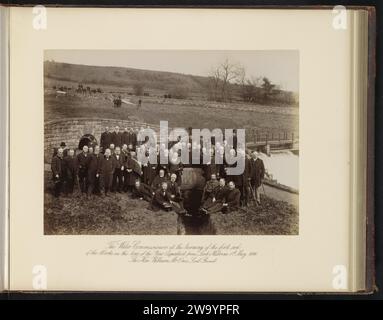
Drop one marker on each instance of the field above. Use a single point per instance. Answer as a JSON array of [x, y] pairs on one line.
[[178, 113]]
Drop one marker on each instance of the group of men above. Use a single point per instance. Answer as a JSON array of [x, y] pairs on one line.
[[113, 166]]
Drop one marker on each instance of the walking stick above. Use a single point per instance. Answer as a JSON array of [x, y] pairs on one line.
[[263, 187], [78, 185], [252, 192]]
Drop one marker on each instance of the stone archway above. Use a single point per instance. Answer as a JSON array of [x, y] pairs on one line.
[[87, 140]]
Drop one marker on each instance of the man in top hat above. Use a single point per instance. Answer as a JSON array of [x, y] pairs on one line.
[[65, 149]]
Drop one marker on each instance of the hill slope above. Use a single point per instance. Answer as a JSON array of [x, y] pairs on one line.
[[124, 77]]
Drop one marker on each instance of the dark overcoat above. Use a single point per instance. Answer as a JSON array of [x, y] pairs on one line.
[[257, 172]]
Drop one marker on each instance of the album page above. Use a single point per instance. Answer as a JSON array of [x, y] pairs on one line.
[[115, 183]]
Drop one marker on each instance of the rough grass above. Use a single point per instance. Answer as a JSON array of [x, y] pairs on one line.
[[117, 214], [271, 218]]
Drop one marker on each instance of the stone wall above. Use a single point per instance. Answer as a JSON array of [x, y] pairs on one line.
[[71, 130]]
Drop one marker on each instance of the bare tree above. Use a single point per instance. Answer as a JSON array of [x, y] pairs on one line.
[[221, 78]]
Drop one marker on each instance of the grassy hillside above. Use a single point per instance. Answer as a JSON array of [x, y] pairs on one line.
[[156, 82]]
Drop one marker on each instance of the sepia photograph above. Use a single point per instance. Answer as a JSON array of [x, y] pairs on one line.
[[181, 142]]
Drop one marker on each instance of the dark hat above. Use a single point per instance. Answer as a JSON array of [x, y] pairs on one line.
[[62, 144]]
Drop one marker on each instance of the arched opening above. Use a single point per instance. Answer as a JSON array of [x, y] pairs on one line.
[[193, 184], [87, 140]]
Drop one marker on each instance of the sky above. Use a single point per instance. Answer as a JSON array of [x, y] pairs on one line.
[[280, 66]]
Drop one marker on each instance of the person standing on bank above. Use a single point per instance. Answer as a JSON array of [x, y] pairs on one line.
[[149, 170], [257, 174], [125, 139], [133, 172], [106, 139], [119, 165], [71, 171], [94, 171], [83, 160], [57, 167], [107, 172], [117, 137], [65, 149]]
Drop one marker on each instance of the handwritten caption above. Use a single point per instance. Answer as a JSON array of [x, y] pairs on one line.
[[139, 252]]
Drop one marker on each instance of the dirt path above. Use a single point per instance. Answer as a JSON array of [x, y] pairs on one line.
[[281, 195]]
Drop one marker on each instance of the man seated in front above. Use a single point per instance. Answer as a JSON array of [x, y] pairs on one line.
[[142, 191], [175, 191], [159, 179], [215, 202], [163, 200], [211, 185], [174, 188], [232, 199]]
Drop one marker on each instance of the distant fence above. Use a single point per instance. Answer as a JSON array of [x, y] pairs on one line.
[[266, 141]]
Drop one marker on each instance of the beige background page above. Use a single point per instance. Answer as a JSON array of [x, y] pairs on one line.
[[276, 263]]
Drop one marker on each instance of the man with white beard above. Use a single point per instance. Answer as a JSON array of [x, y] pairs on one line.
[[256, 175]]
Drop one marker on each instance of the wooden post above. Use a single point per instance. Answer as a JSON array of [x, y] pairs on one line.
[[268, 149]]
